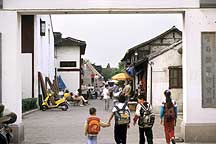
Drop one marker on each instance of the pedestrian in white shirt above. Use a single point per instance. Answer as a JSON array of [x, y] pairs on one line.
[[106, 97]]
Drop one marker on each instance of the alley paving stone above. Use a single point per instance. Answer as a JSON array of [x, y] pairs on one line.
[[66, 127]]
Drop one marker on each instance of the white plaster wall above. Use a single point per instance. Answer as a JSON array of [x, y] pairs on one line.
[[11, 62], [160, 78], [26, 75], [67, 53], [196, 21], [70, 78], [44, 51], [86, 4]]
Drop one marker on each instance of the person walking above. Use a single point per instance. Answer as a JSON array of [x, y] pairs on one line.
[[122, 120], [127, 90], [145, 119], [92, 126], [168, 115], [106, 97]]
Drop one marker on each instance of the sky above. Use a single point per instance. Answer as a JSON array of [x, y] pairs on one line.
[[109, 36]]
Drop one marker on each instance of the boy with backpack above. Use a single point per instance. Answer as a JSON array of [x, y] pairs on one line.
[[145, 118], [121, 113], [92, 126], [168, 115]]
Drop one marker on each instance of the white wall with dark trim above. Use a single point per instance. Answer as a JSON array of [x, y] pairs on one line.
[[71, 78]]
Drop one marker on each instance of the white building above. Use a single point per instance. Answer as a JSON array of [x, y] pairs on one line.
[[199, 102], [165, 72], [37, 53], [138, 58], [68, 53]]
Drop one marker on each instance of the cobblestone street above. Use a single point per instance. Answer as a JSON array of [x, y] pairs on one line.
[[66, 127]]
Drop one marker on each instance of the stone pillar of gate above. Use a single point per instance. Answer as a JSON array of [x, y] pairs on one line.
[[11, 69], [199, 123]]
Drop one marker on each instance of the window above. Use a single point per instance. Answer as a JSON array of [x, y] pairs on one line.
[[1, 4], [175, 77], [68, 64], [27, 34], [42, 27]]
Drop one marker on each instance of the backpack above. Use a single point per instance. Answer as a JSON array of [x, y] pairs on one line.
[[169, 114], [147, 118], [93, 125], [122, 116]]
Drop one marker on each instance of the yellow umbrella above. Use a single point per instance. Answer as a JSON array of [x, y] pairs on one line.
[[122, 76]]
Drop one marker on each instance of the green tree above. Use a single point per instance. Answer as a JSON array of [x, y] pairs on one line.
[[109, 72], [120, 68]]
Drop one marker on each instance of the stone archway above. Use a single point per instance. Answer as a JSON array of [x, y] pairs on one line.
[[196, 20]]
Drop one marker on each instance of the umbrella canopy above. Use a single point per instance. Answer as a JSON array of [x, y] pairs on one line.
[[122, 76]]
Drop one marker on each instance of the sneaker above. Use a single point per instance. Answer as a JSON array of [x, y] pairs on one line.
[[85, 101], [81, 105]]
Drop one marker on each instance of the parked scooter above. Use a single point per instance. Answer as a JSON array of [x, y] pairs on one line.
[[50, 102], [5, 130]]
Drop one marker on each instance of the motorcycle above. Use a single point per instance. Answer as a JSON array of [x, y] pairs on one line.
[[5, 130], [5, 134], [59, 103]]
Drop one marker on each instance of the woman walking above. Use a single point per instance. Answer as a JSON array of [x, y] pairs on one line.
[[168, 115]]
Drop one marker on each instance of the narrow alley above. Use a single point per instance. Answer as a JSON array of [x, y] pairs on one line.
[[66, 127]]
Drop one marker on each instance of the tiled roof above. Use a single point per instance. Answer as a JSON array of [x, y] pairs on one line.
[[155, 54], [158, 53], [59, 41], [131, 50]]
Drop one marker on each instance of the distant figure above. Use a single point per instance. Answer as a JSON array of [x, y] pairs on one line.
[[115, 88], [106, 97], [84, 91], [92, 78], [168, 115], [76, 97], [92, 126], [127, 90], [141, 87], [101, 91]]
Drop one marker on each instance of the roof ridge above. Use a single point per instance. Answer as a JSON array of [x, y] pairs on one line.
[[154, 38], [155, 54]]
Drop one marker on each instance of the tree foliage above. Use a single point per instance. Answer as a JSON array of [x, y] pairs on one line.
[[109, 72]]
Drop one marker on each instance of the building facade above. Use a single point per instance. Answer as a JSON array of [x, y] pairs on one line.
[[165, 72], [68, 53], [138, 56], [37, 54], [91, 77]]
